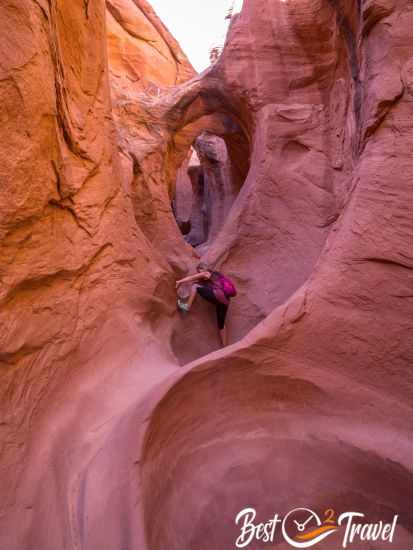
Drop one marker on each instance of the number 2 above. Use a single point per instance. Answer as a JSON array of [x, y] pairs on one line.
[[330, 516]]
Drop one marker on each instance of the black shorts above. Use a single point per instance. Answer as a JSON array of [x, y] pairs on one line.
[[208, 294]]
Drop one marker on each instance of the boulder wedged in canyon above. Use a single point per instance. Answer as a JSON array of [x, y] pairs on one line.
[[106, 441]]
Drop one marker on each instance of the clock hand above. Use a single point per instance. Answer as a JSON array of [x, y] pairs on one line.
[[305, 523], [301, 526]]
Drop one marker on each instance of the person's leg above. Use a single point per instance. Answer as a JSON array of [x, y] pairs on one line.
[[185, 305], [207, 294], [192, 296], [221, 309], [223, 336], [221, 316]]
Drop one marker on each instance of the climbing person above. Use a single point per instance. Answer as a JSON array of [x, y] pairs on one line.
[[215, 288]]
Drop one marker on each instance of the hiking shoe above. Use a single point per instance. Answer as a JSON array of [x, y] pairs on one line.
[[183, 306]]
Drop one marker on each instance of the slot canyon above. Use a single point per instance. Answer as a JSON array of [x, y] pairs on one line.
[[288, 166]]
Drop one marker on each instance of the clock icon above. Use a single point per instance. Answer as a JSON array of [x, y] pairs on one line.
[[302, 528]]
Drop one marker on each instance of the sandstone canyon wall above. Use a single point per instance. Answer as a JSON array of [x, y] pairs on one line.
[[107, 441]]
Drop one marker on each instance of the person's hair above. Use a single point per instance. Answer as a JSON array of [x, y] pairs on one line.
[[202, 266]]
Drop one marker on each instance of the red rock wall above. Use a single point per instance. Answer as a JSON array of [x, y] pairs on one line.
[[77, 273], [142, 53], [220, 185], [313, 405]]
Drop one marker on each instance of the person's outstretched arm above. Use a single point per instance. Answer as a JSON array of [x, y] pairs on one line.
[[192, 278]]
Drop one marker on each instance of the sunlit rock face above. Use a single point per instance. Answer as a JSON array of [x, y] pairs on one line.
[[77, 274], [110, 438], [142, 53]]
